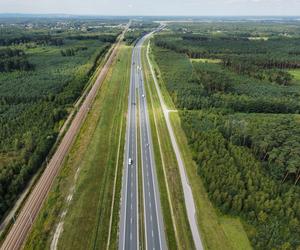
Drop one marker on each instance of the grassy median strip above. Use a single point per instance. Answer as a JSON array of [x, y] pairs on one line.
[[175, 219], [93, 159]]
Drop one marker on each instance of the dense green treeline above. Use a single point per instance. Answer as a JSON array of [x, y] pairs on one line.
[[232, 27], [240, 115], [40, 40], [273, 139], [55, 40], [32, 141], [106, 38], [14, 59], [52, 68], [282, 53], [132, 36], [262, 58], [202, 85], [137, 30], [34, 103], [237, 184]]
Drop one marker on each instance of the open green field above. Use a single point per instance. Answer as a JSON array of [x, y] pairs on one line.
[[296, 74], [90, 170], [235, 233], [205, 60]]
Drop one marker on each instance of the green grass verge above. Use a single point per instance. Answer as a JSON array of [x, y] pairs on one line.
[[94, 152], [235, 232], [168, 223], [176, 225]]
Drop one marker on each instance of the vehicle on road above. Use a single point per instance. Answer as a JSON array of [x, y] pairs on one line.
[[129, 161], [143, 96]]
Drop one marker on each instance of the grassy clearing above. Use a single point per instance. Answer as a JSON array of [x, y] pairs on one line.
[[94, 152], [257, 38], [5, 158], [296, 74], [206, 60], [235, 232], [174, 212]]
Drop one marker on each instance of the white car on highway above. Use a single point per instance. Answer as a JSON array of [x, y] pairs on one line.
[[129, 161]]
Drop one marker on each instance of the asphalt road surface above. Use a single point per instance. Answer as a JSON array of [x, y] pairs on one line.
[[26, 217], [153, 222], [129, 234]]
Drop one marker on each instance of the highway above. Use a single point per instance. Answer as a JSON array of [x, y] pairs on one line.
[[153, 222], [129, 234], [17, 234]]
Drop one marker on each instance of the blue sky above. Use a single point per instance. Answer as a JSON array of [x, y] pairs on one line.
[[154, 7]]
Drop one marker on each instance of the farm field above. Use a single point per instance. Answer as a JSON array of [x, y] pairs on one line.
[[44, 69], [238, 102]]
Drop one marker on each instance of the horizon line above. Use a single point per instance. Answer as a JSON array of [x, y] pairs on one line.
[[135, 15]]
